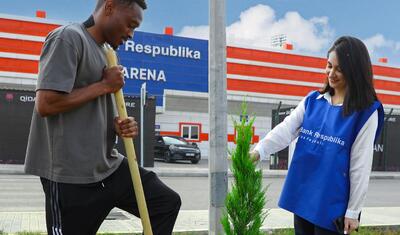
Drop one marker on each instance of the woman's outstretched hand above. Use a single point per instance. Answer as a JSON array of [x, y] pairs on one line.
[[254, 155]]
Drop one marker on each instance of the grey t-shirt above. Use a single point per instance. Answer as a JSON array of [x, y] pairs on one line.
[[75, 146]]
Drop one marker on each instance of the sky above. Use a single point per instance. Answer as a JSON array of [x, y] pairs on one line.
[[310, 25]]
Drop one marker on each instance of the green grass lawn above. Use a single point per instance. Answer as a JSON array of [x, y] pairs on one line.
[[363, 231]]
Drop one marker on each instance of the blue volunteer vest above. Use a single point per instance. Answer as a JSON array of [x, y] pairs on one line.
[[317, 185]]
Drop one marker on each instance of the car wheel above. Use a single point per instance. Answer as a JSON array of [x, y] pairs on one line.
[[195, 161], [168, 157]]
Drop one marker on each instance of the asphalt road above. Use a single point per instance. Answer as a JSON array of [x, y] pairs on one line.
[[24, 193]]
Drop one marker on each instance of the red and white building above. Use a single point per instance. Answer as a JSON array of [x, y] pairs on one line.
[[263, 77]]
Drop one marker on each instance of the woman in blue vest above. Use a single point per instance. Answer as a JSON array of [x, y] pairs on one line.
[[335, 129]]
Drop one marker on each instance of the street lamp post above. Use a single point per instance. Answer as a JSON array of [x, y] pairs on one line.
[[217, 103]]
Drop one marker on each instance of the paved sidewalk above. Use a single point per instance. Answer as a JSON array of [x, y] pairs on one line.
[[188, 220]]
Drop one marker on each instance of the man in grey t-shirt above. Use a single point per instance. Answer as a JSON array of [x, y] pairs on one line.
[[73, 130]]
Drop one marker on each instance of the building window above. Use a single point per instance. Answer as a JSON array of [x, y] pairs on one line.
[[185, 132], [194, 132], [190, 131]]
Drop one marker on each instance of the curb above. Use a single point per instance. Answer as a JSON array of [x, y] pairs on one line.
[[205, 232], [205, 174]]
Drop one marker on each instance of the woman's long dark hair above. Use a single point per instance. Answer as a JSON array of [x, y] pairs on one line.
[[355, 64]]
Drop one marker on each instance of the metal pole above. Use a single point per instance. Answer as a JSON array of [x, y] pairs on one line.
[[384, 142], [142, 104], [217, 103], [276, 119]]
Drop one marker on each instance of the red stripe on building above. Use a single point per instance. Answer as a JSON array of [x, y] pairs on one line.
[[387, 85], [297, 60], [266, 87], [231, 138], [275, 57], [20, 46], [26, 27], [173, 133], [262, 71], [282, 89], [204, 136], [295, 75], [18, 65], [386, 71], [389, 99]]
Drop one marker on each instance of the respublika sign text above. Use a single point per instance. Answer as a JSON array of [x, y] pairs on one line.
[[180, 51], [164, 62]]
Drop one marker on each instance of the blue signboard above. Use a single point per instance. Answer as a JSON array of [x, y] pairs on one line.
[[164, 62]]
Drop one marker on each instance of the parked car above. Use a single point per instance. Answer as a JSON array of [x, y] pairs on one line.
[[171, 148]]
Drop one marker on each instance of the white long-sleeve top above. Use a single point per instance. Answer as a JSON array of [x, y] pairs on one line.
[[361, 154]]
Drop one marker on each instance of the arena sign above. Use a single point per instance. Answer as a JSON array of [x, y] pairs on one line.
[[164, 62]]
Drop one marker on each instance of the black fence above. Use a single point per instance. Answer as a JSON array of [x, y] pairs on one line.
[[386, 148], [16, 109], [133, 108], [15, 118]]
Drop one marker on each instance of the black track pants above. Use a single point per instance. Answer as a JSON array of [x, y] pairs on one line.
[[80, 209]]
